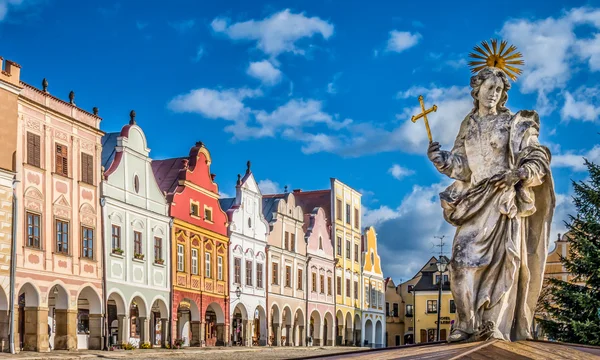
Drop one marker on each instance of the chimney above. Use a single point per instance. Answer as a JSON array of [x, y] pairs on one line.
[[11, 72], [297, 191], [212, 177]]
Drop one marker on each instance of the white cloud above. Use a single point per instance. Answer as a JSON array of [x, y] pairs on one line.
[[402, 40], [269, 187], [183, 26], [332, 87], [549, 47], [265, 72], [277, 33], [399, 172], [215, 104], [5, 5], [199, 54], [583, 104], [574, 160]]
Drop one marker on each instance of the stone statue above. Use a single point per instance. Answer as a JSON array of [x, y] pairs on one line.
[[501, 203]]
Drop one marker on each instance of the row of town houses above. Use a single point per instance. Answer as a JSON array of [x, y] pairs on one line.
[[102, 246]]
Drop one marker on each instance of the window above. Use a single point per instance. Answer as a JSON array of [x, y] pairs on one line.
[[320, 243], [348, 214], [33, 149], [367, 294], [373, 297], [207, 265], [62, 237], [387, 309], [237, 270], [248, 273], [322, 283], [356, 252], [194, 261], [136, 184], [300, 282], [339, 246], [409, 310], [180, 263], [259, 274], [348, 253], [329, 286], [137, 242], [437, 279], [286, 240], [33, 230], [62, 160], [87, 242], [356, 290], [219, 268], [292, 242], [87, 168], [409, 288], [347, 287], [157, 249], [339, 285], [275, 268], [446, 279], [116, 237], [338, 209], [356, 218], [431, 306], [395, 310], [194, 209], [452, 307], [314, 282], [208, 214], [288, 276]]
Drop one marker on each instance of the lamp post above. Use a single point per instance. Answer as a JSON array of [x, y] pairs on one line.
[[238, 292], [441, 265]]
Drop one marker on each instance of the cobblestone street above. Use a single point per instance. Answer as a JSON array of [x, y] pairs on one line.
[[262, 353]]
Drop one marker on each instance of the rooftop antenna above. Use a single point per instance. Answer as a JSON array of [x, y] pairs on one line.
[[441, 244]]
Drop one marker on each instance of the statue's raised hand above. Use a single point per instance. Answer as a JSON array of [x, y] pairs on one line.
[[435, 154], [511, 178]]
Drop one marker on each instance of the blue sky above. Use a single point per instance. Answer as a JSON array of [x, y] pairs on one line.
[[310, 90]]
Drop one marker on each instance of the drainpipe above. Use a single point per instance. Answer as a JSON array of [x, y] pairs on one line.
[[170, 337], [104, 294], [268, 309], [306, 292], [13, 266]]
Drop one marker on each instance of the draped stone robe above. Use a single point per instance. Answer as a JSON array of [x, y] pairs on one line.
[[501, 241]]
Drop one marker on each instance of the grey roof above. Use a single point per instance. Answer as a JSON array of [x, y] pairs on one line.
[[226, 203], [269, 205], [109, 143], [426, 283]]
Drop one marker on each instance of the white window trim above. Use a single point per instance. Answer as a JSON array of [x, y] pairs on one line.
[[207, 265], [194, 261], [180, 258], [219, 268]]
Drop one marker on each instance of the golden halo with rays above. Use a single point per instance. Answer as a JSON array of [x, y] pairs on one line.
[[502, 58]]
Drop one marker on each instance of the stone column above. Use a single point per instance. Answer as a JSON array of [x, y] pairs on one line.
[[65, 337], [197, 333], [287, 335], [15, 327], [277, 334], [349, 337], [164, 332], [341, 334], [96, 340], [221, 335], [35, 337], [302, 338], [123, 330], [143, 330], [244, 333]]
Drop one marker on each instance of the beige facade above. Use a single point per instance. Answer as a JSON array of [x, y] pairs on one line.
[[59, 259]]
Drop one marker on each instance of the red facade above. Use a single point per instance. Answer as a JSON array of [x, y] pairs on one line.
[[199, 249]]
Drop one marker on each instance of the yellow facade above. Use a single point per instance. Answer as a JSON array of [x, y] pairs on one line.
[[346, 218], [373, 326]]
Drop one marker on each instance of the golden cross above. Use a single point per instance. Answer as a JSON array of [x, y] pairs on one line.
[[424, 116]]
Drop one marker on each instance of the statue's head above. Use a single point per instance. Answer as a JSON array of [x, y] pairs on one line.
[[490, 89]]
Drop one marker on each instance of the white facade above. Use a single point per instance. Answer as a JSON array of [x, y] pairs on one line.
[[248, 232], [137, 241], [373, 293]]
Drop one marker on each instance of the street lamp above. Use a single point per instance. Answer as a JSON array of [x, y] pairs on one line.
[[441, 265], [238, 292]]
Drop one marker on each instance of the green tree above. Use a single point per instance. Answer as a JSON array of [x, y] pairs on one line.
[[572, 308]]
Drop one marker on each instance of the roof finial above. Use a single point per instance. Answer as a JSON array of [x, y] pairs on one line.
[[248, 167], [239, 180], [199, 144], [72, 97], [45, 85], [285, 189], [95, 110], [132, 117]]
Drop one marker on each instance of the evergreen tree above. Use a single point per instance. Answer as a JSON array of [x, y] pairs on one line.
[[573, 308]]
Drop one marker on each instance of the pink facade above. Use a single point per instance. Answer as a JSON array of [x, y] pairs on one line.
[[321, 269], [59, 258]]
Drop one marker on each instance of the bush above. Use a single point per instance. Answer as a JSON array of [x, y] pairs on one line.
[[146, 345], [128, 346]]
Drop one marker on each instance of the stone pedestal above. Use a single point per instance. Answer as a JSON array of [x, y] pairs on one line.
[[96, 338], [123, 330], [65, 337], [197, 333], [35, 333], [164, 332]]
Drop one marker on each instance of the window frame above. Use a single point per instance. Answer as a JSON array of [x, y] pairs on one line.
[[207, 265], [248, 269], [32, 225], [314, 281], [348, 214], [409, 310], [63, 155], [293, 242], [356, 253], [137, 243], [181, 258], [339, 210], [87, 252], [300, 279], [329, 289], [338, 280], [355, 290], [452, 306], [356, 218], [322, 283], [275, 273], [339, 246], [219, 268], [348, 288], [430, 305], [116, 237], [259, 275], [34, 153], [158, 249], [208, 211], [288, 276], [237, 270], [194, 261], [61, 243], [87, 168], [348, 250]]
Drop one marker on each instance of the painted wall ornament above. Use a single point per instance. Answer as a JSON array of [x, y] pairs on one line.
[[501, 203]]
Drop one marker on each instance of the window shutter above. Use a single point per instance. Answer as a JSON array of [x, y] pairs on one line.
[[65, 162], [59, 163], [37, 151], [30, 148]]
